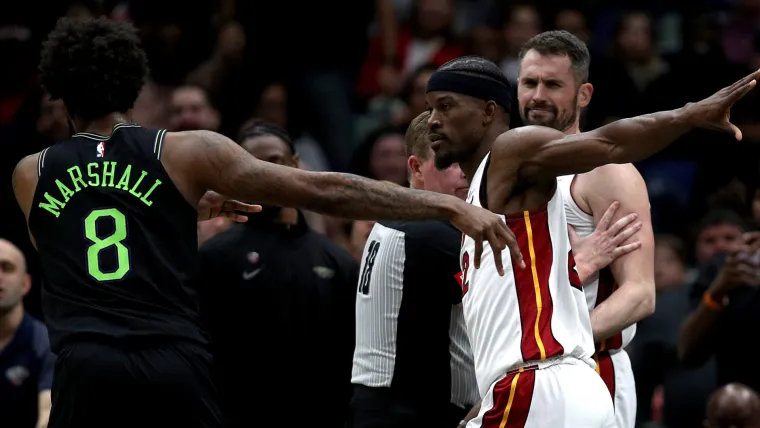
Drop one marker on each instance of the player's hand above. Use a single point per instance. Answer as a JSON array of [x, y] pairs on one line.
[[483, 225], [741, 268], [213, 205], [715, 112], [603, 246]]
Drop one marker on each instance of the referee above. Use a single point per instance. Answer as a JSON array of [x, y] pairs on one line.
[[412, 364]]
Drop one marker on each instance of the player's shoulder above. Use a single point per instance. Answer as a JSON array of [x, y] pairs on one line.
[[526, 136]]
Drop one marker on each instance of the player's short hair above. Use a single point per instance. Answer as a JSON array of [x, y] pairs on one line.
[[561, 42], [416, 137], [483, 77], [96, 66], [259, 128]]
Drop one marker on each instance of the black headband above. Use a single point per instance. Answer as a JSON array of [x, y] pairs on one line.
[[474, 86]]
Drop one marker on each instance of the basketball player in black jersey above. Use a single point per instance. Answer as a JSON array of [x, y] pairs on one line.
[[113, 212]]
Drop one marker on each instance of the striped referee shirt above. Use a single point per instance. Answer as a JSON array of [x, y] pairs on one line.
[[409, 325]]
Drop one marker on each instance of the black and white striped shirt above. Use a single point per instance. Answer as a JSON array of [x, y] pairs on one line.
[[410, 329]]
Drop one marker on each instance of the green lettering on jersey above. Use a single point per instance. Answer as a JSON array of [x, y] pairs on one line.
[[124, 180], [76, 177], [98, 177], [94, 176], [108, 173], [65, 191], [133, 191], [52, 205], [152, 188]]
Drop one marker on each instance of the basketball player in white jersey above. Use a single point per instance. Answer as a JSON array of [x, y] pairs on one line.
[[529, 327], [551, 90]]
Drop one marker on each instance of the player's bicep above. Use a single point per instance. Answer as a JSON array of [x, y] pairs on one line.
[[553, 153], [624, 184], [24, 180]]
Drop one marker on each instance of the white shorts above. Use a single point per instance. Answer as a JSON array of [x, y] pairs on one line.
[[616, 372], [567, 394]]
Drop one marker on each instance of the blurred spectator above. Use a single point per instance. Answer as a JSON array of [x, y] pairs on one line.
[[484, 41], [191, 109], [427, 39], [573, 21], [733, 406], [718, 232], [666, 391], [521, 22], [303, 289], [382, 156], [725, 305], [26, 362], [414, 96]]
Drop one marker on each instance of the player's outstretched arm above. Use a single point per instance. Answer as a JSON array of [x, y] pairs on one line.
[[203, 160], [548, 153]]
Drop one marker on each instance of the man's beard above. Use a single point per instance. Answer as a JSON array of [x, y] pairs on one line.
[[557, 121], [443, 160]]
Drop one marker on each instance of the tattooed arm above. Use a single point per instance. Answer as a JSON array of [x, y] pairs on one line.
[[198, 161]]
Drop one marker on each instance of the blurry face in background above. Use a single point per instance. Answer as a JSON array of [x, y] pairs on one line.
[[53, 121], [14, 282], [573, 22], [190, 110], [523, 24], [716, 239], [416, 102], [484, 41], [434, 15], [635, 38], [547, 93], [669, 270], [273, 105], [388, 159]]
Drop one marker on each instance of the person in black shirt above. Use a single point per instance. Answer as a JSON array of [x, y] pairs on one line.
[[113, 213], [274, 271]]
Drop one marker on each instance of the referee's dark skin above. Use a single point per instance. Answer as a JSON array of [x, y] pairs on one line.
[[279, 302]]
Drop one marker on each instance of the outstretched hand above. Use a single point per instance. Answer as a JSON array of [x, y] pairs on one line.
[[213, 205], [597, 250], [714, 112], [483, 225]]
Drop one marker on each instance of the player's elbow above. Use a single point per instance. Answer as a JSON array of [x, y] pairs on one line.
[[647, 298]]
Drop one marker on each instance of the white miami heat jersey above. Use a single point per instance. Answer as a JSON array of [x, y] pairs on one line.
[[530, 316], [601, 285]]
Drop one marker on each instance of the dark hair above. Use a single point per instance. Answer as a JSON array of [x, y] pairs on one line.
[[362, 155], [674, 243], [416, 137], [96, 66], [561, 42], [720, 217], [258, 128], [476, 66]]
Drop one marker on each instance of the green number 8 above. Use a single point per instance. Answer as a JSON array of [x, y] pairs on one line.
[[99, 244]]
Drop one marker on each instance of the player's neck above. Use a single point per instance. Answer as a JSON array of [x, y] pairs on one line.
[[9, 323], [101, 126], [575, 128], [470, 166]]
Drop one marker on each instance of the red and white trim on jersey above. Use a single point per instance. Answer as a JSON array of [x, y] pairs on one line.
[[512, 397], [532, 285]]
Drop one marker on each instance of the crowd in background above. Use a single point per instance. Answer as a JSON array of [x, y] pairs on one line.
[[346, 80]]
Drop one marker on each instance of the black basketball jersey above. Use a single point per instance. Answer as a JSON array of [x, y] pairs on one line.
[[117, 240]]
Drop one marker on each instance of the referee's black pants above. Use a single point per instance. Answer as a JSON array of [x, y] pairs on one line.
[[381, 408]]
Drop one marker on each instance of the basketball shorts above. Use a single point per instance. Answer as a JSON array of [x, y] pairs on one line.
[[166, 385], [616, 372], [569, 394]]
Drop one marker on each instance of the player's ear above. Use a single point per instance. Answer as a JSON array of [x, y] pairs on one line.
[[489, 113], [584, 94]]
